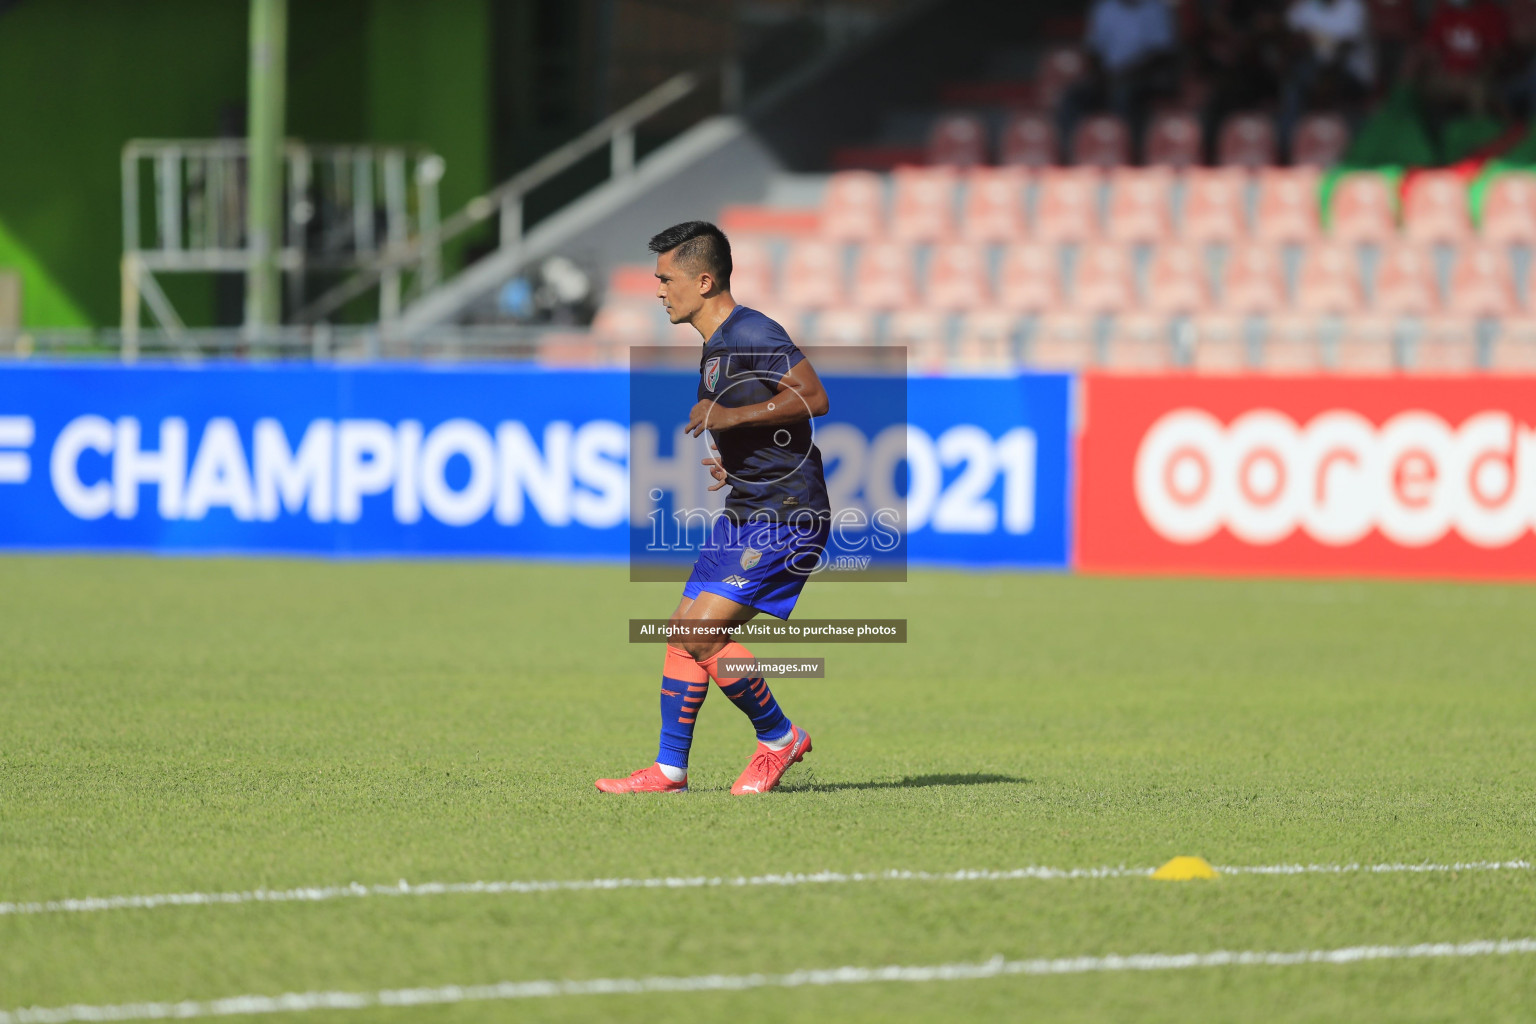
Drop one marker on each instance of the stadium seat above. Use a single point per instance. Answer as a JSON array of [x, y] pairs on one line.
[[884, 276], [1288, 205], [1292, 344], [844, 326], [1435, 208], [627, 322], [740, 220], [1405, 281], [1059, 68], [1029, 140], [1329, 281], [1514, 346], [813, 275], [1173, 140], [1254, 279], [923, 204], [1509, 209], [994, 208], [1101, 141], [1103, 280], [1366, 344], [1067, 204], [1482, 282], [1177, 280], [1140, 205], [751, 271], [958, 277], [916, 328], [1139, 343], [1062, 341], [1363, 209], [1394, 19], [987, 340], [854, 207], [632, 281], [958, 140], [1214, 205], [1444, 344], [1319, 140], [1030, 278], [1220, 344], [1247, 140]]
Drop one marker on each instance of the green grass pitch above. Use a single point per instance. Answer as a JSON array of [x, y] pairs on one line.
[[177, 725]]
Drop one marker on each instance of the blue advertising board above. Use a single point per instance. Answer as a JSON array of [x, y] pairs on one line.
[[481, 460]]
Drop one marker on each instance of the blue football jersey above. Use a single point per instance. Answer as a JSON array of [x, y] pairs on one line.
[[774, 469]]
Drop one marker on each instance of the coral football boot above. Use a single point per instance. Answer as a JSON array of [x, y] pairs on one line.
[[767, 767], [646, 780]]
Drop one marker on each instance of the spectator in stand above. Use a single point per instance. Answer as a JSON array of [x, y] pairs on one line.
[[1247, 52], [1462, 53], [1336, 65], [1130, 46]]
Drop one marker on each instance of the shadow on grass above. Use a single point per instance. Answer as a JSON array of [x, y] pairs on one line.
[[808, 783]]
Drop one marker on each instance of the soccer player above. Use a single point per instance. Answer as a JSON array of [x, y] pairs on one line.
[[757, 395]]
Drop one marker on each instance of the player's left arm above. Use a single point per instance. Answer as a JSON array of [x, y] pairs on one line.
[[800, 396]]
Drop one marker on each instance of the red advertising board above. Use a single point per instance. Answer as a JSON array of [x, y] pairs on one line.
[[1384, 476]]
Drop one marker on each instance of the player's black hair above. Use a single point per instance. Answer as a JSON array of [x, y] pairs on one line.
[[700, 246]]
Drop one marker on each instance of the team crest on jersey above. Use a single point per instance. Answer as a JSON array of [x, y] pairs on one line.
[[750, 558], [711, 372]]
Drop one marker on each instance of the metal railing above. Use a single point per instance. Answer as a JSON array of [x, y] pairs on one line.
[[348, 207]]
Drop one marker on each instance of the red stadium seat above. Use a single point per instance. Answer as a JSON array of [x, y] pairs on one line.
[[1030, 278], [1435, 208], [1029, 140], [1101, 141], [1514, 347], [633, 281], [1220, 344], [1482, 283], [1363, 209], [1140, 205], [1329, 281], [628, 322], [917, 327], [1291, 345], [845, 326], [1509, 209], [994, 205], [1288, 205], [958, 140], [1405, 281], [1319, 140], [1247, 140], [813, 275], [1067, 204], [884, 276], [1177, 281], [1058, 70], [987, 340], [1139, 343], [1214, 205], [1173, 140], [923, 208], [1255, 280], [751, 271], [1445, 344], [958, 278], [854, 207], [1103, 281], [1062, 341], [1367, 344]]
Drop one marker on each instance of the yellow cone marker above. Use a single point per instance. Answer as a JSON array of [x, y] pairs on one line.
[[1183, 869]]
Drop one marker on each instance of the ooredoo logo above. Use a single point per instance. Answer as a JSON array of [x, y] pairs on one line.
[[1263, 476]]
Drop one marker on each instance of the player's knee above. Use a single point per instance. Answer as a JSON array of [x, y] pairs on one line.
[[699, 647]]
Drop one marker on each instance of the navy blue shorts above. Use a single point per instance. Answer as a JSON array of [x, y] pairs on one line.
[[762, 565]]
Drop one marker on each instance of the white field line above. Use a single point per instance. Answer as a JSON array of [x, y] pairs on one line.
[[320, 894], [997, 967]]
